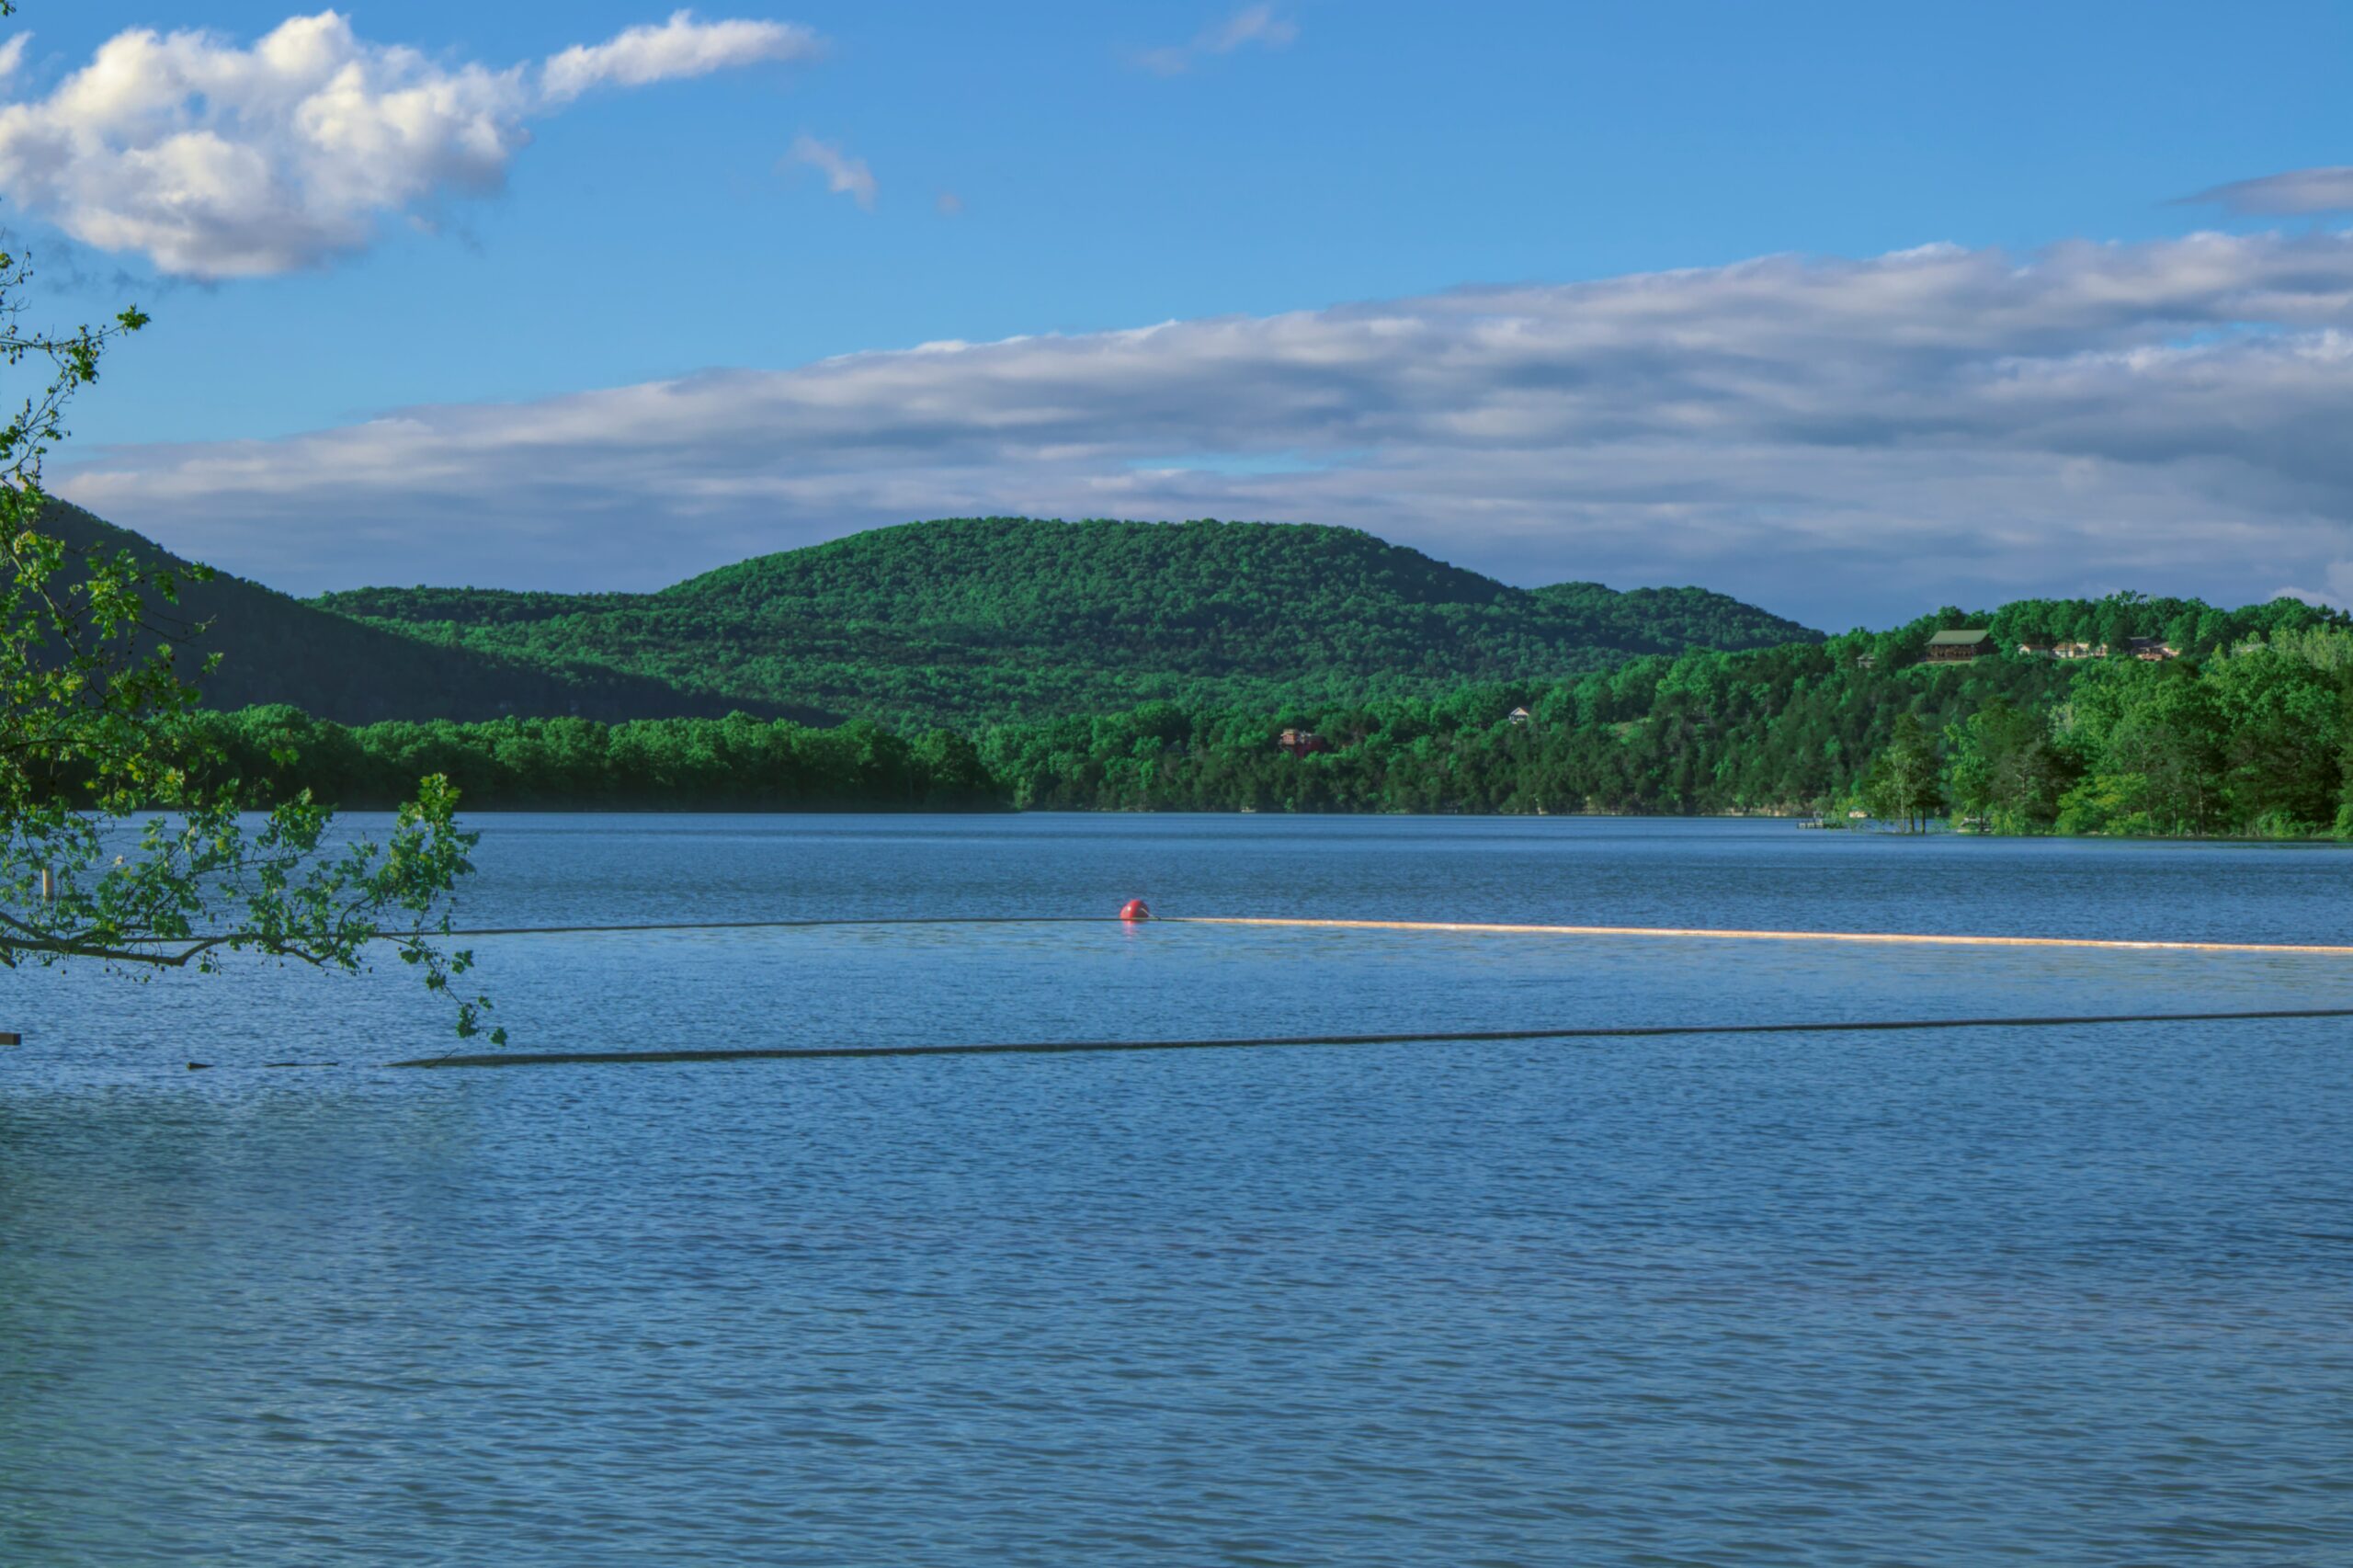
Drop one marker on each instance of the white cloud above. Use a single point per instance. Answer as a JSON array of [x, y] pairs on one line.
[[680, 47], [1251, 25], [215, 161], [1841, 439], [11, 55], [845, 175], [2297, 193]]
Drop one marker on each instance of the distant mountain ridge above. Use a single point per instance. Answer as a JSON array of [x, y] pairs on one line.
[[276, 649], [979, 619]]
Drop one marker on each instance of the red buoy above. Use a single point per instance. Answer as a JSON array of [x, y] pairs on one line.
[[1134, 910]]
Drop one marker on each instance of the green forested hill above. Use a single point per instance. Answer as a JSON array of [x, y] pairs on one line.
[[1053, 650], [276, 649], [2248, 731], [1673, 619], [972, 620]]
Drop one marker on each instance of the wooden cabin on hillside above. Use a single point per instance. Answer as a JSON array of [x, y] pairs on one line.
[[1301, 743], [1962, 647]]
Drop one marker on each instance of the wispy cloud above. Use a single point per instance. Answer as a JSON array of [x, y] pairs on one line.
[[948, 204], [217, 161], [683, 46], [1838, 438], [845, 175], [1257, 25], [2296, 193]]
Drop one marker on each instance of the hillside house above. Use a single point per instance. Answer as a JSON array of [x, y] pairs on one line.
[[1519, 715], [2149, 649], [1301, 743], [1962, 647]]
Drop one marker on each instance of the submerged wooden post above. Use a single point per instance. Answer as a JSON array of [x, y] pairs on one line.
[[48, 885]]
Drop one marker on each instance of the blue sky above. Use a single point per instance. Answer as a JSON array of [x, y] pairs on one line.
[[1117, 168]]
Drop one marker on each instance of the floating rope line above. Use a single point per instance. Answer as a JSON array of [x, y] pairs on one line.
[[1630, 1031], [1471, 927], [1927, 938], [1705, 933]]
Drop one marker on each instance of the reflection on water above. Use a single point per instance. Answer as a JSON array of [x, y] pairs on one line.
[[2057, 1295]]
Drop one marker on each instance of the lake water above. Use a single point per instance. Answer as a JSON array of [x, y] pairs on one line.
[[2076, 1295]]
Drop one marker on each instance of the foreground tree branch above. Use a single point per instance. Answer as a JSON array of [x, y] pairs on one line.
[[111, 852]]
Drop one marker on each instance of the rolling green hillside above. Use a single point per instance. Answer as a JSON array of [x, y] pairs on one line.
[[276, 649], [973, 619], [2248, 731]]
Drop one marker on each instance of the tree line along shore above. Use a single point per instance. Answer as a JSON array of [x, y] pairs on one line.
[[2248, 731]]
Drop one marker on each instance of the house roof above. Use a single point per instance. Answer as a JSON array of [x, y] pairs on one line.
[[1958, 639]]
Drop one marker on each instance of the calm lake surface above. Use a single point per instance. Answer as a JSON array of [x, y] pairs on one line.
[[2076, 1295]]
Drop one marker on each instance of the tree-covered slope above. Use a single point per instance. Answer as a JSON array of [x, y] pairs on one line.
[[982, 618], [2249, 731], [1674, 619], [276, 649]]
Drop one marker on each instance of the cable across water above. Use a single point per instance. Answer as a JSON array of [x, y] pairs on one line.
[[1422, 1037], [1621, 1031]]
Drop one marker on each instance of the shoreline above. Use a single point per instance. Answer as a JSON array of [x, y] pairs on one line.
[[1792, 818]]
